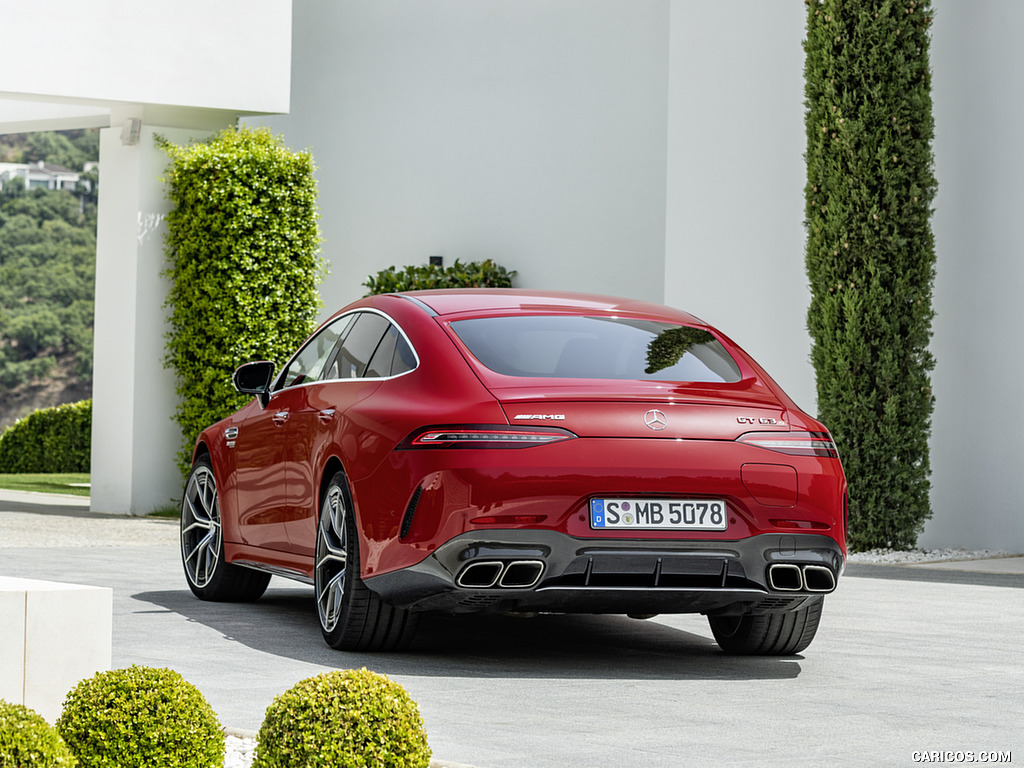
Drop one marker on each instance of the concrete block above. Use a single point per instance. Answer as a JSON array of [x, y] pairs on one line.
[[52, 635], [12, 645]]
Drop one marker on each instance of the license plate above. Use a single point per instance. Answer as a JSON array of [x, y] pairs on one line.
[[659, 514]]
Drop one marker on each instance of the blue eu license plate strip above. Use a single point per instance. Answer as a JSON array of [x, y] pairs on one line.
[[659, 514]]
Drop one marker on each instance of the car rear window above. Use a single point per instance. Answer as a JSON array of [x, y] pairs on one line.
[[582, 347]]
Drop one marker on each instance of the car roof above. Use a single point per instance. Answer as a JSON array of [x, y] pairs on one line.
[[498, 300]]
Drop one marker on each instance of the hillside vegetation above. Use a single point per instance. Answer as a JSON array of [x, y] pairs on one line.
[[47, 279]]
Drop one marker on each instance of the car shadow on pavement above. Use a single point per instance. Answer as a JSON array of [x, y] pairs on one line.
[[283, 622]]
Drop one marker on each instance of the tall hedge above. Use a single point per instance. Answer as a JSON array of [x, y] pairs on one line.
[[52, 440], [870, 253], [243, 248]]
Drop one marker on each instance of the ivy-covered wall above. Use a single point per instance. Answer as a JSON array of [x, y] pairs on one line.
[[243, 249], [871, 254]]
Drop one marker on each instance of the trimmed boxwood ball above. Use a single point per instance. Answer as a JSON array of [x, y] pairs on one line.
[[26, 739], [141, 716], [343, 719]]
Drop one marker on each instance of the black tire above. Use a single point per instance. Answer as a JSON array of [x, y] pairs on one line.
[[352, 616], [202, 544], [772, 634]]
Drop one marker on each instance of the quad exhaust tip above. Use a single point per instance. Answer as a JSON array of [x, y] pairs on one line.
[[785, 577], [485, 574], [818, 578], [482, 575], [522, 574], [788, 577]]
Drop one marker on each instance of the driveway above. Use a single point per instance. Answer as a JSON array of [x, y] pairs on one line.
[[906, 661]]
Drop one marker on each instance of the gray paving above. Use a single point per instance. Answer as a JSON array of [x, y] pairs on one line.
[[906, 660]]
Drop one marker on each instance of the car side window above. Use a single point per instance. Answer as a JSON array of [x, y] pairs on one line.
[[393, 356], [358, 346], [308, 364], [380, 364], [404, 358], [373, 348]]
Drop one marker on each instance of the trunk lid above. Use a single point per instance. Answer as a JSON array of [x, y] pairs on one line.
[[697, 414]]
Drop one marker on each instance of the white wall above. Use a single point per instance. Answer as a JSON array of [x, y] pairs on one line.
[[734, 230], [977, 453], [527, 131], [228, 55]]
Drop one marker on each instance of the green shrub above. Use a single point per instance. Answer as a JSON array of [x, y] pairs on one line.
[[53, 440], [475, 274], [343, 719], [26, 739], [871, 254], [141, 717], [243, 246]]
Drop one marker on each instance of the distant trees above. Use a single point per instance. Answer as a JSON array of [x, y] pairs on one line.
[[71, 149], [47, 266]]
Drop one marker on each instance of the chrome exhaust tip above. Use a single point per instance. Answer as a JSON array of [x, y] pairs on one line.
[[819, 578], [521, 574], [785, 577], [482, 575]]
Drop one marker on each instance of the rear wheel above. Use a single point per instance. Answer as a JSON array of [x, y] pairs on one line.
[[202, 544], [352, 616], [772, 634]]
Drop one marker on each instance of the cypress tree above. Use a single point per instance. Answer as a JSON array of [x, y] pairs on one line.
[[870, 253]]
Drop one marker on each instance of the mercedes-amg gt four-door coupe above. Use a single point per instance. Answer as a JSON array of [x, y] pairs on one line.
[[488, 450]]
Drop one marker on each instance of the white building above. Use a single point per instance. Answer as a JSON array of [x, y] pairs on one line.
[[651, 149], [39, 175]]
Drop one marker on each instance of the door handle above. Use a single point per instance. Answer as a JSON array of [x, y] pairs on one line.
[[280, 417], [326, 415]]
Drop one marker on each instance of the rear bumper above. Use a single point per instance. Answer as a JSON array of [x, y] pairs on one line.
[[539, 570]]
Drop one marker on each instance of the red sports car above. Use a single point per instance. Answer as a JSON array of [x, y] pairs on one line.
[[520, 451]]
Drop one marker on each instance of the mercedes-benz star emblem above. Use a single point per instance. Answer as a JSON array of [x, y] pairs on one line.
[[656, 420]]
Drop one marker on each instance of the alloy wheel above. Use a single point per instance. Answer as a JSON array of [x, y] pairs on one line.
[[331, 558], [200, 527]]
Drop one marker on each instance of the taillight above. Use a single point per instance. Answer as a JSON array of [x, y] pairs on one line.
[[484, 436], [794, 443]]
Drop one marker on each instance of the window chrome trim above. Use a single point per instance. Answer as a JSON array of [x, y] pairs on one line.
[[339, 319]]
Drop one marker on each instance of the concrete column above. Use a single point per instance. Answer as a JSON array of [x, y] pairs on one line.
[[134, 438]]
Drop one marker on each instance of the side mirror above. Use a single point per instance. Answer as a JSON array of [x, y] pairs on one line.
[[255, 379]]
